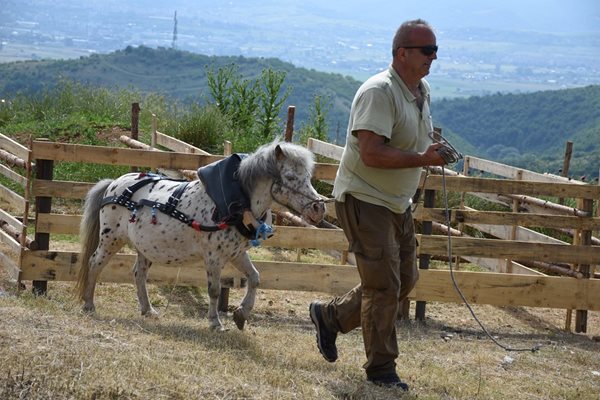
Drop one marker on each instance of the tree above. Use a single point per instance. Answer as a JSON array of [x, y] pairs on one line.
[[251, 105], [317, 124]]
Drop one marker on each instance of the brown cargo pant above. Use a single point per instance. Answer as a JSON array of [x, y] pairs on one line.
[[384, 244]]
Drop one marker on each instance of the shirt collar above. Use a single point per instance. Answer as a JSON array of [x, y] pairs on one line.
[[407, 94]]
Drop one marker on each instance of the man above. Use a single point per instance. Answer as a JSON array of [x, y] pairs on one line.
[[387, 145]]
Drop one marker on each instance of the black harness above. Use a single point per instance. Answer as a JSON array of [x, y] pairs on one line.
[[222, 186], [169, 208]]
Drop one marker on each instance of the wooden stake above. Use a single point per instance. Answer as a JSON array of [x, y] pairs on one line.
[[289, 128], [566, 165]]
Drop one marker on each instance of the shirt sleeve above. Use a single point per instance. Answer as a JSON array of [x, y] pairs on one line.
[[374, 111]]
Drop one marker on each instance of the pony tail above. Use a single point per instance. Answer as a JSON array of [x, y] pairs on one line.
[[89, 231]]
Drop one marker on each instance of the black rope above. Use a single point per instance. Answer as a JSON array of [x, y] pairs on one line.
[[462, 296]]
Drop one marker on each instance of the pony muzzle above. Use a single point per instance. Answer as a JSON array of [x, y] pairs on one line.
[[314, 212]]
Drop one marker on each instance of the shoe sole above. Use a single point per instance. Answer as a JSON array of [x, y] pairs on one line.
[[313, 317], [392, 384]]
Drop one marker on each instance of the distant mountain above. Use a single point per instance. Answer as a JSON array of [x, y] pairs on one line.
[[181, 75], [528, 130]]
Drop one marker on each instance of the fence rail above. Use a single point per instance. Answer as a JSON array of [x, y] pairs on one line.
[[511, 242]]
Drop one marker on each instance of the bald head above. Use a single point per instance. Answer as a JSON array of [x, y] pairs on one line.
[[407, 32]]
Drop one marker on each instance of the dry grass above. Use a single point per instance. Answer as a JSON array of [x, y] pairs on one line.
[[50, 350]]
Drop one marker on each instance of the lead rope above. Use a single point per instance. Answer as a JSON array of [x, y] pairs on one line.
[[462, 296], [262, 232]]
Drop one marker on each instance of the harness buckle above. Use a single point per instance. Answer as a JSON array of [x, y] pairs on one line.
[[153, 219], [133, 215]]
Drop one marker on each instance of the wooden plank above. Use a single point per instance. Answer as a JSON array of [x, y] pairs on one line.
[[513, 249], [508, 218], [545, 208], [13, 199], [307, 238], [62, 266], [325, 171], [499, 265], [12, 221], [515, 233], [177, 145], [143, 158], [8, 240], [57, 223], [325, 149], [433, 285], [520, 233], [486, 185], [61, 189], [332, 239], [14, 147], [511, 172], [285, 236], [10, 266], [119, 156], [509, 290], [12, 175]]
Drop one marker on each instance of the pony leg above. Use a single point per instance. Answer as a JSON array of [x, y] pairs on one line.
[[140, 273], [213, 275], [97, 262], [242, 312]]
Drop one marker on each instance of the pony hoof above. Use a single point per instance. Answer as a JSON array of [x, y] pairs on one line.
[[239, 319], [151, 314], [88, 309], [218, 328]]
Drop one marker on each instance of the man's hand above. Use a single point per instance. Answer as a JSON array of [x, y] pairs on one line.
[[433, 155]]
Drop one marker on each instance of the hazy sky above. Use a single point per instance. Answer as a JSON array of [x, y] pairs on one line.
[[552, 16], [537, 15]]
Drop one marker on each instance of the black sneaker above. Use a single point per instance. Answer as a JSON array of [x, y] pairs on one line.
[[325, 337], [389, 381]]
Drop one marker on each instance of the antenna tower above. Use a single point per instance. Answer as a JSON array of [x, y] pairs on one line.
[[173, 43]]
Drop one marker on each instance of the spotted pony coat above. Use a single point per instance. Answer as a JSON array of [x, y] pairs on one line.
[[279, 172]]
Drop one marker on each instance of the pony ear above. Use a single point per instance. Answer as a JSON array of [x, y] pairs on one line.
[[279, 154]]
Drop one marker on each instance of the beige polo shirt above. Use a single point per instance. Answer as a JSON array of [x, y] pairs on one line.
[[384, 105]]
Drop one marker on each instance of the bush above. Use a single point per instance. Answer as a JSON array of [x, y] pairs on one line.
[[204, 127]]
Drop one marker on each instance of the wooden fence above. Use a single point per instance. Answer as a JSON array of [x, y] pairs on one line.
[[36, 261]]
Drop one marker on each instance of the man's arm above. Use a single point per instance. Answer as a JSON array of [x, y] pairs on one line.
[[375, 153]]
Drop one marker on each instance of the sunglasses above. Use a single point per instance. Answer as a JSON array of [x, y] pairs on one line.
[[425, 50]]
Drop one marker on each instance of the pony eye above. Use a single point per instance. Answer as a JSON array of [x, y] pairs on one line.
[[291, 177]]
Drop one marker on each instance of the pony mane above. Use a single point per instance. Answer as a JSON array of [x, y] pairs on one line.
[[263, 162]]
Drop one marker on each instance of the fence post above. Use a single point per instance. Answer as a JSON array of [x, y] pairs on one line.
[[135, 122], [566, 164], [429, 202], [586, 240], [515, 228], [43, 204], [289, 127], [154, 129]]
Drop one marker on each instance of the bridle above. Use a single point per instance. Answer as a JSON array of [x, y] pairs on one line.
[[278, 181]]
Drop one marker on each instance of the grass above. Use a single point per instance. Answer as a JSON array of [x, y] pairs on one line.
[[50, 350], [53, 351]]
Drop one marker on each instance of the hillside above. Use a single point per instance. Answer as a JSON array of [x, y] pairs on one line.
[[528, 130], [179, 75]]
